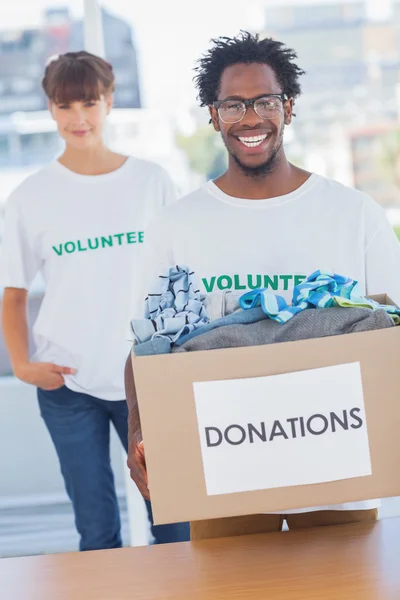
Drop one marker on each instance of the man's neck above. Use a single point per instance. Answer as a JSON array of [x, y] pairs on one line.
[[284, 179]]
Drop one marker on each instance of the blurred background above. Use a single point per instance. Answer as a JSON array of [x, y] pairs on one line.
[[347, 128]]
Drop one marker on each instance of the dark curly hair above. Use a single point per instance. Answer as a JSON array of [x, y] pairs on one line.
[[246, 48]]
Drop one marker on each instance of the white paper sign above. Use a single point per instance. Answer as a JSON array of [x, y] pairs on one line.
[[283, 430]]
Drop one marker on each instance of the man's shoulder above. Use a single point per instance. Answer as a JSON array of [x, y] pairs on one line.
[[345, 194], [340, 188], [186, 206]]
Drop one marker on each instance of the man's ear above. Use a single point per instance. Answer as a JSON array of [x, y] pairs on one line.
[[288, 108], [214, 118]]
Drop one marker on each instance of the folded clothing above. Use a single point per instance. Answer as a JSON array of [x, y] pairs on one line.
[[173, 307], [321, 289], [253, 327], [308, 324], [220, 304]]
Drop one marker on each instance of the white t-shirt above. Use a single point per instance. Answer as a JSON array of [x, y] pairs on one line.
[[239, 244], [85, 235]]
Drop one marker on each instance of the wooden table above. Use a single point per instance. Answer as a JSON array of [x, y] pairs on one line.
[[358, 562]]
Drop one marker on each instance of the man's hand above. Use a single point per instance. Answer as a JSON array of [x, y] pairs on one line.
[[46, 376], [137, 464]]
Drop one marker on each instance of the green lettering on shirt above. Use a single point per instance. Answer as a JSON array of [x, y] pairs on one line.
[[119, 237], [224, 282], [80, 249], [237, 284], [253, 285], [99, 243], [131, 236], [272, 283], [299, 279], [285, 279], [93, 247], [106, 241], [209, 285], [70, 247]]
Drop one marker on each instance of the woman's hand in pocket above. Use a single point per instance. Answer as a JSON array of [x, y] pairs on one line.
[[46, 376]]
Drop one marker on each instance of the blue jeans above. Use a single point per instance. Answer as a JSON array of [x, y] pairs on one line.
[[79, 426]]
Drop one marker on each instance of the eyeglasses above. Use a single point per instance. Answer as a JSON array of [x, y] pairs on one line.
[[268, 106]]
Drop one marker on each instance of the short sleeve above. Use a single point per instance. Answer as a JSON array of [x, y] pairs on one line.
[[170, 193], [19, 262], [382, 254]]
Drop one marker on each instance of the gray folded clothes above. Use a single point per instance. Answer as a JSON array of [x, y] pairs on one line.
[[308, 324], [159, 345], [220, 304]]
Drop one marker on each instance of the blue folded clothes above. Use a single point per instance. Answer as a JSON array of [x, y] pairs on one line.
[[173, 307], [321, 289]]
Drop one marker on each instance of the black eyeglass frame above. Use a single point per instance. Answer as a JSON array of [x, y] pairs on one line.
[[250, 102]]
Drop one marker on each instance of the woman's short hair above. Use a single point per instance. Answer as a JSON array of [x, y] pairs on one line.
[[77, 76]]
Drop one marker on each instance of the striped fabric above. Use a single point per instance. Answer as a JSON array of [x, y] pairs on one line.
[[321, 289], [173, 307]]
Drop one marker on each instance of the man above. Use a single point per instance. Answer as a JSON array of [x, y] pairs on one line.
[[265, 223]]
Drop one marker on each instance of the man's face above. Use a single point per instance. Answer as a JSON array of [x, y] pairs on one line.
[[256, 144]]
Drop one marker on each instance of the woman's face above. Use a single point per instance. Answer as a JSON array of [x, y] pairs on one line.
[[81, 124]]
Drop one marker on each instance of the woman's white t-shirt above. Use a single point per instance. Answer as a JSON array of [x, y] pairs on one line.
[[85, 235]]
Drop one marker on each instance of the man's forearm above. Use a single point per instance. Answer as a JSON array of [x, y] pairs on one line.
[[134, 427]]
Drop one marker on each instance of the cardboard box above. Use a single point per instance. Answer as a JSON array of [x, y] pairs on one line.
[[173, 443]]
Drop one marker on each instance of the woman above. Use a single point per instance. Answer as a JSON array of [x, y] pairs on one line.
[[80, 221]]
